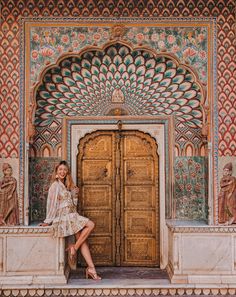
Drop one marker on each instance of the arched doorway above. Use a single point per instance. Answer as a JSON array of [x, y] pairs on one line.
[[114, 80], [118, 177]]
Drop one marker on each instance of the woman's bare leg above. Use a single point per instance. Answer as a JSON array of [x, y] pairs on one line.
[[80, 237], [84, 249], [83, 235]]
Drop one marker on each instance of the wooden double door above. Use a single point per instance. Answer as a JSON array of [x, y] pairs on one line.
[[118, 178]]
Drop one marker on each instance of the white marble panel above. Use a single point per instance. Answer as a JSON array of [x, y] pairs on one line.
[[234, 252], [206, 253], [1, 254], [31, 254]]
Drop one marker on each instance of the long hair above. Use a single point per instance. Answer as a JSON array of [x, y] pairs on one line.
[[68, 179]]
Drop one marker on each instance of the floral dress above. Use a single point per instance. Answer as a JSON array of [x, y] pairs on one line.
[[61, 211]]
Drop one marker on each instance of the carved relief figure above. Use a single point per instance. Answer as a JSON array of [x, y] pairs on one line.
[[9, 211], [63, 216], [227, 197], [117, 96], [118, 31]]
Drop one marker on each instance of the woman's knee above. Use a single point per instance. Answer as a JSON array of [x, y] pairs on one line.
[[91, 225]]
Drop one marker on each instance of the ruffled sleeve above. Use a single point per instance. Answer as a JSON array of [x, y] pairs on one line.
[[52, 201], [75, 195]]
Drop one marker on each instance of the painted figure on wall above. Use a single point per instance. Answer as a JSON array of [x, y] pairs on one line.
[[227, 197], [9, 210]]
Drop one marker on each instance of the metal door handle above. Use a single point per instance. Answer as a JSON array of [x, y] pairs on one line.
[[130, 172], [104, 172]]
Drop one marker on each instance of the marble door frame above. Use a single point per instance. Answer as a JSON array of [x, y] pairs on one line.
[[160, 128]]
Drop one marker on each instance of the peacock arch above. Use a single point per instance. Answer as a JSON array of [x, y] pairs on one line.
[[149, 83]]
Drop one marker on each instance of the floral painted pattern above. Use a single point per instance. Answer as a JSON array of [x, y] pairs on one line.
[[40, 173], [191, 188], [47, 44], [189, 44]]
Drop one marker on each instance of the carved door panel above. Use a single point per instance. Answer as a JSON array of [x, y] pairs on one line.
[[117, 174], [95, 178], [139, 201]]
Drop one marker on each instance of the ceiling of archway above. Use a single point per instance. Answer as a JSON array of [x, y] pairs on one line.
[[149, 85]]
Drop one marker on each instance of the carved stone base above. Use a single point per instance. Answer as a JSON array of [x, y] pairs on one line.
[[30, 255], [201, 254]]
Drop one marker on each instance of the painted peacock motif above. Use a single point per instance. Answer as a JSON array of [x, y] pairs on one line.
[[148, 84]]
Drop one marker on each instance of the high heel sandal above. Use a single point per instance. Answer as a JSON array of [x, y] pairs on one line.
[[93, 274]]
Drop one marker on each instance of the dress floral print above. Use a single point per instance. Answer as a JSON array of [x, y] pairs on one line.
[[61, 211]]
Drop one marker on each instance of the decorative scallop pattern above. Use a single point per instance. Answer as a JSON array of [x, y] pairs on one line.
[[150, 86], [13, 10]]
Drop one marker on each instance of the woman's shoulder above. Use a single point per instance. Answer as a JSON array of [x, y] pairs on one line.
[[54, 185]]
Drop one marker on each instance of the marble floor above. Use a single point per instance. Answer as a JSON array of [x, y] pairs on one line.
[[119, 282], [140, 281], [124, 273], [125, 277]]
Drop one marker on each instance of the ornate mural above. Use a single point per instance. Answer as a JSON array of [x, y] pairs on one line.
[[41, 172], [188, 44], [191, 188], [148, 85], [12, 11], [11, 91]]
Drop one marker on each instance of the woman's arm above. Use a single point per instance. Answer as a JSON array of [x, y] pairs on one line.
[[75, 195], [52, 201]]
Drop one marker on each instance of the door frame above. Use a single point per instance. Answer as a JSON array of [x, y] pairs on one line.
[[118, 157], [161, 128]]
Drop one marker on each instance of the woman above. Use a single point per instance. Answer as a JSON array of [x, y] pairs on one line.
[[62, 214]]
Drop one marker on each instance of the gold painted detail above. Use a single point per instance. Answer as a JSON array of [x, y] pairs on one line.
[[118, 32], [118, 197]]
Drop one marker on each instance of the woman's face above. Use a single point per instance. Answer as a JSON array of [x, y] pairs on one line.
[[62, 171]]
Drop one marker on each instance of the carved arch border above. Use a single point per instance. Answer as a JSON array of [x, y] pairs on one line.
[[26, 89]]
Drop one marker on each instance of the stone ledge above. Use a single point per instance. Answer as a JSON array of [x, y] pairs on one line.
[[181, 226], [25, 230]]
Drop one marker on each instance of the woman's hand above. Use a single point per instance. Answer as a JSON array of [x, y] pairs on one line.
[[43, 224], [75, 191]]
